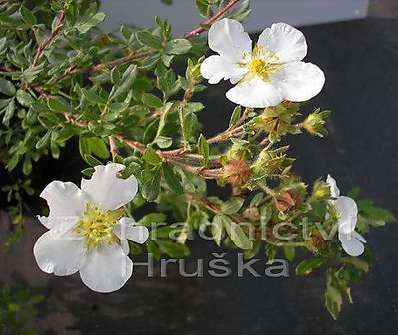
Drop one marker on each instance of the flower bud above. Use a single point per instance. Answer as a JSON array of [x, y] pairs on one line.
[[237, 172], [315, 123], [252, 214], [321, 191], [286, 201]]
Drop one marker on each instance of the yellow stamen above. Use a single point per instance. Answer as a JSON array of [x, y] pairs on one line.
[[97, 226], [262, 63]]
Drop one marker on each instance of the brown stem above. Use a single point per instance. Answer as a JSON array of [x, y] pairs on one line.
[[135, 56], [109, 65], [213, 19], [50, 40], [113, 147]]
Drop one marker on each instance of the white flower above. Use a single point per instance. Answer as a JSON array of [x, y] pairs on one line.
[[351, 241], [268, 74], [87, 230]]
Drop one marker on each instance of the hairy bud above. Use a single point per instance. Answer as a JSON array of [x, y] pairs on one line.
[[288, 200], [237, 172]]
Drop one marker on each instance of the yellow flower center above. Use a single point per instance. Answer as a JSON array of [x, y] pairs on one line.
[[262, 63], [97, 226]]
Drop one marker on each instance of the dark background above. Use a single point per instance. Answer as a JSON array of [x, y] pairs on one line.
[[360, 59]]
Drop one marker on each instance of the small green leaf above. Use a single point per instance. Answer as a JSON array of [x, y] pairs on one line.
[[333, 301], [27, 15], [44, 141], [7, 87], [163, 142], [9, 113], [305, 267], [171, 179], [24, 98], [85, 26], [153, 250], [232, 206], [236, 115], [150, 40], [151, 157], [151, 100], [289, 252], [178, 47], [59, 105], [217, 228], [152, 219], [125, 83], [203, 149], [173, 249], [236, 234], [204, 8]]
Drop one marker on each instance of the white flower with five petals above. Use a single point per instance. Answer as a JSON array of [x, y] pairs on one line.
[[268, 74], [87, 231], [347, 209]]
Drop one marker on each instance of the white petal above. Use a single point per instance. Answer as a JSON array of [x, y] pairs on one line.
[[348, 211], [61, 254], [216, 68], [107, 269], [126, 229], [254, 93], [228, 38], [107, 190], [334, 190], [299, 81], [358, 236], [286, 42], [65, 200], [351, 245], [125, 246]]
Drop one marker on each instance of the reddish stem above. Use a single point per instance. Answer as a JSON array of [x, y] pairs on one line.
[[213, 19]]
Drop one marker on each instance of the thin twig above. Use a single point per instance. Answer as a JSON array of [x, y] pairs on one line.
[[113, 147], [50, 40], [212, 20]]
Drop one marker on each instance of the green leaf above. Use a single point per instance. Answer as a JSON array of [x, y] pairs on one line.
[[204, 149], [178, 47], [333, 297], [151, 157], [232, 206], [44, 141], [163, 142], [125, 83], [305, 267], [236, 234], [173, 249], [171, 179], [24, 98], [59, 105], [151, 186], [153, 250], [3, 44], [85, 26], [7, 87], [236, 115], [7, 21], [289, 252], [150, 40], [152, 219], [217, 228], [204, 7], [27, 15], [360, 264], [151, 100], [9, 113], [98, 147]]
